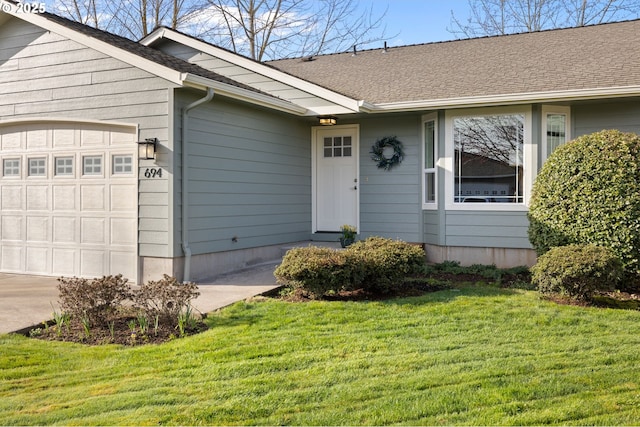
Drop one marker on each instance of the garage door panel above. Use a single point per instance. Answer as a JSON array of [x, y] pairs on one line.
[[92, 231], [64, 217], [37, 260], [38, 229], [12, 197], [64, 261], [64, 138], [64, 198], [123, 198], [37, 197], [12, 228], [92, 198], [37, 140], [11, 141], [64, 230], [12, 258], [92, 262]]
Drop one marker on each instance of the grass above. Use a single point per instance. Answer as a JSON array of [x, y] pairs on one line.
[[474, 355]]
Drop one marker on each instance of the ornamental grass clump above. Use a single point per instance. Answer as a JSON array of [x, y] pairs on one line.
[[588, 191], [577, 271]]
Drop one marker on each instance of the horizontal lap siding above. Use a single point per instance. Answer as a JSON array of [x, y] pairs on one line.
[[487, 229], [45, 75], [624, 116], [250, 178], [390, 204]]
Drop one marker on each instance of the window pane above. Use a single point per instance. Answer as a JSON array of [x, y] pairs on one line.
[[37, 167], [556, 131], [429, 140], [92, 165], [122, 164], [11, 167], [328, 152], [488, 159], [64, 165], [430, 187]]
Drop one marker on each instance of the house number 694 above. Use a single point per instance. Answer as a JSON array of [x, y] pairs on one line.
[[153, 173]]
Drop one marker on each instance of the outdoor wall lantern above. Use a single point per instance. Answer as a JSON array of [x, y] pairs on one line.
[[147, 148], [328, 120]]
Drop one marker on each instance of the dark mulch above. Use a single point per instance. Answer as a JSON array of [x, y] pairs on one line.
[[120, 332]]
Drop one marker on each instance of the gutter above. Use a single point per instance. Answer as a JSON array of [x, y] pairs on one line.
[[185, 182]]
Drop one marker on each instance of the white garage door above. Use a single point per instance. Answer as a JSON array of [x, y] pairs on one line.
[[69, 200]]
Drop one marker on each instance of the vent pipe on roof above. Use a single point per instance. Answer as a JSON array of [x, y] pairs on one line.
[[354, 50], [385, 47]]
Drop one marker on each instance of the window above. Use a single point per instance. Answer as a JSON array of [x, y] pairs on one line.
[[122, 165], [490, 161], [11, 167], [555, 128], [92, 165], [337, 146], [430, 158], [37, 167], [64, 166]]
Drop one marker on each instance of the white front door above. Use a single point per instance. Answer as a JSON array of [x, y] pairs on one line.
[[336, 177]]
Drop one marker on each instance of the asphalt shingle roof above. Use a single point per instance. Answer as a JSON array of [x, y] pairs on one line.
[[599, 56]]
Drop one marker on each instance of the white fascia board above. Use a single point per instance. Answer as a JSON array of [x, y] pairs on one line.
[[130, 58], [253, 66], [243, 94], [506, 99]]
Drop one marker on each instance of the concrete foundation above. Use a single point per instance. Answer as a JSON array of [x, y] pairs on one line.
[[501, 257]]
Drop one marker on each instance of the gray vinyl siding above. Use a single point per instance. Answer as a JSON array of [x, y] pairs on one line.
[[390, 201], [45, 75], [621, 115], [487, 229], [250, 177]]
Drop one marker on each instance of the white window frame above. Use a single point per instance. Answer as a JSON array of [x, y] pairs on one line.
[[92, 173], [64, 174], [4, 167], [38, 167], [529, 159], [428, 204], [549, 110], [122, 165]]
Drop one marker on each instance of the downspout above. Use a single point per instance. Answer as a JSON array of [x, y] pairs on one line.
[[185, 183]]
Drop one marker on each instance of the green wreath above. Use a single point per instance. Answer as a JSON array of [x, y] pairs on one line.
[[377, 152]]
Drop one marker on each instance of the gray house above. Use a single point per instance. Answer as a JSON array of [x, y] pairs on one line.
[[171, 155]]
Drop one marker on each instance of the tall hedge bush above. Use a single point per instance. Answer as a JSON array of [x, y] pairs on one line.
[[588, 191]]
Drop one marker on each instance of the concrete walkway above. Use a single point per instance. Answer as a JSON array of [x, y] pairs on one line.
[[29, 300]]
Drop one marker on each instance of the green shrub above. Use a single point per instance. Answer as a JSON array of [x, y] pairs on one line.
[[375, 264], [577, 271], [588, 191], [164, 299], [386, 262], [318, 271], [95, 300]]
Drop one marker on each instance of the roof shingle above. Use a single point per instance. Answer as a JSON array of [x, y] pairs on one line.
[[599, 56]]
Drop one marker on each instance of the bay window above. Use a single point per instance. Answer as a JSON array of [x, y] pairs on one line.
[[490, 161], [430, 149]]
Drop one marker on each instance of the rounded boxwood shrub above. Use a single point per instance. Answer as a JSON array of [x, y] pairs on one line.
[[588, 191], [387, 261], [577, 271]]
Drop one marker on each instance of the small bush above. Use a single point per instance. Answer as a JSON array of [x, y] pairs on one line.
[[386, 262], [375, 264], [94, 300], [164, 298], [317, 271], [577, 271]]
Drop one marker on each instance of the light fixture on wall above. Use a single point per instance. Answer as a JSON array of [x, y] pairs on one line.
[[328, 120], [147, 148]]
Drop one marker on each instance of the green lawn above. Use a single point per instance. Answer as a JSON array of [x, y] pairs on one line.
[[476, 355]]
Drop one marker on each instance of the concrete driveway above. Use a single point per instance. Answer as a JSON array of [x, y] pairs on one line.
[[29, 300]]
